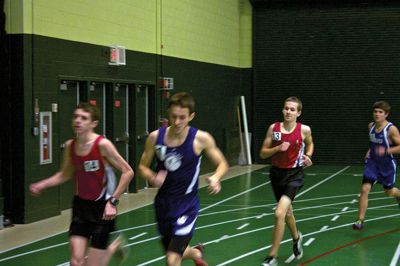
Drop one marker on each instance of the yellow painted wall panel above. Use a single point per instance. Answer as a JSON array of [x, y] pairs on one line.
[[18, 16], [102, 22], [205, 30], [245, 34], [213, 31]]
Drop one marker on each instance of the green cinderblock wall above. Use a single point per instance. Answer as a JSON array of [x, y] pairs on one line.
[[339, 58]]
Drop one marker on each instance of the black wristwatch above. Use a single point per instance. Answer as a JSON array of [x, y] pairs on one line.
[[114, 201]]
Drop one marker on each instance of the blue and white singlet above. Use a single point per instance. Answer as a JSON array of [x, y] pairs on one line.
[[177, 203], [380, 168]]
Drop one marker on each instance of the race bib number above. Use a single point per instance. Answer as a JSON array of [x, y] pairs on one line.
[[91, 166], [276, 136]]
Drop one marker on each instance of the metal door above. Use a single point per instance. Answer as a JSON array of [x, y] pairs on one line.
[[121, 120], [141, 126], [97, 96], [119, 133], [68, 99]]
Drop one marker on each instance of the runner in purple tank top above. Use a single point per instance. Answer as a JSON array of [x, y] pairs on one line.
[[178, 150], [380, 166]]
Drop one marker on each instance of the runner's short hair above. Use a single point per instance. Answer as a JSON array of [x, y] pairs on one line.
[[90, 108], [296, 100], [385, 106], [182, 99]]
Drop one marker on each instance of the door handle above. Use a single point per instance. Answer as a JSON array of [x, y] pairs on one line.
[[124, 138], [144, 136]]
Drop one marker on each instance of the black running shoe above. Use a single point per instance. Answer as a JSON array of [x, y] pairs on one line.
[[358, 225], [270, 261], [297, 247]]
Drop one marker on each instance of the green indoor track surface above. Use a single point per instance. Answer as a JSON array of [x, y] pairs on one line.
[[236, 225]]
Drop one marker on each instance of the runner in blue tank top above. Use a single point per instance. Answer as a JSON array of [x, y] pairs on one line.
[[178, 150], [180, 186], [380, 165]]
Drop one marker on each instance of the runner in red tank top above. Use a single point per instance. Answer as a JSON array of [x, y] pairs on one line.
[[89, 172], [290, 146], [293, 156], [87, 159]]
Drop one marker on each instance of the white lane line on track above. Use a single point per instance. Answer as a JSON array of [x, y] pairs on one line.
[[396, 256], [261, 215], [205, 226], [33, 251], [290, 239], [242, 226], [290, 259], [328, 178], [122, 230], [234, 196], [323, 228], [309, 241], [137, 236], [322, 181], [151, 261], [222, 238], [319, 183], [63, 264], [345, 209], [153, 238], [305, 219], [335, 218], [270, 226], [265, 206]]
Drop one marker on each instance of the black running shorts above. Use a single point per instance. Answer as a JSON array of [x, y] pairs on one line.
[[87, 221], [176, 244], [286, 181]]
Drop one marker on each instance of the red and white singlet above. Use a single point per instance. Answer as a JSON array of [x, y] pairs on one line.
[[90, 173], [292, 157]]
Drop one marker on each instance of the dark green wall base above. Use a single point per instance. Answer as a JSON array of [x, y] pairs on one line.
[[43, 62]]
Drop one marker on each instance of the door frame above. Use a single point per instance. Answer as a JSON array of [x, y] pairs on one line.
[[153, 110]]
